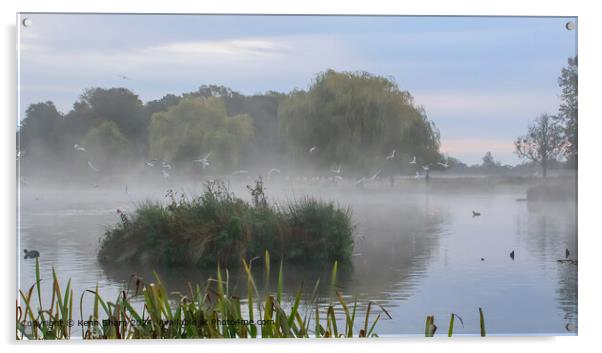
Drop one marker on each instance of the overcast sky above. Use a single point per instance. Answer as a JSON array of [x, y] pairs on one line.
[[481, 80]]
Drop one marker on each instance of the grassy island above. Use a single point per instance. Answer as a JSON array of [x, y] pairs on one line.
[[219, 228]]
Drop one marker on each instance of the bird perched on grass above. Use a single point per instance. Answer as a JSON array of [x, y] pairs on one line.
[[32, 254]]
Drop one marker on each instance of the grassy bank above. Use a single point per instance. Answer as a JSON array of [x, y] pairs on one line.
[[219, 228]]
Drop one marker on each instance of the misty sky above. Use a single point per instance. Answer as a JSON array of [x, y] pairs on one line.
[[481, 80]]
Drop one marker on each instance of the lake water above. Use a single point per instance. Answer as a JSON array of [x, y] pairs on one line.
[[419, 251]]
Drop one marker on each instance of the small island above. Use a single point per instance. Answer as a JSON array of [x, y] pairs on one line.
[[217, 228]]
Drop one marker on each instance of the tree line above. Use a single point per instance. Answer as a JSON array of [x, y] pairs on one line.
[[351, 120]]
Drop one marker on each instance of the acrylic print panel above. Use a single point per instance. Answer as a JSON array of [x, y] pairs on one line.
[[208, 176]]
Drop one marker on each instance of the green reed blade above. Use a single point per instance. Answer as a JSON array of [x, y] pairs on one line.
[[367, 318], [482, 322], [369, 334], [333, 281], [279, 290]]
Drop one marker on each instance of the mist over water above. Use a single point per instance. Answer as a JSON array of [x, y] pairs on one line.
[[418, 249]]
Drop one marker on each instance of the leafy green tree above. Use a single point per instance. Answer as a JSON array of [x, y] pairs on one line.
[[41, 127], [160, 105], [118, 105], [489, 162], [106, 147], [355, 119], [568, 111], [198, 126], [543, 143]]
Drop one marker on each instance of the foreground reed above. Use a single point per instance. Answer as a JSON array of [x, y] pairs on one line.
[[204, 312], [208, 311]]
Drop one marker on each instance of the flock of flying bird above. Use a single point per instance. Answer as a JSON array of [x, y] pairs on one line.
[[204, 163]]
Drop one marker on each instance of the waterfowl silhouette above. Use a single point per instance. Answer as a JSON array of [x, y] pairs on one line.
[[31, 254], [512, 255]]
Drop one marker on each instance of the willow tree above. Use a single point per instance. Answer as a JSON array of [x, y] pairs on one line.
[[197, 126], [106, 147], [355, 119], [543, 142]]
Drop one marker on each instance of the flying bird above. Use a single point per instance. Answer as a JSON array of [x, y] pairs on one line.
[[512, 255], [413, 161], [426, 168], [165, 165], [272, 171], [165, 174], [150, 163], [79, 148], [391, 156], [567, 253], [124, 77], [312, 149], [444, 165], [373, 177], [204, 161], [476, 214], [336, 171], [94, 169], [238, 172], [360, 181]]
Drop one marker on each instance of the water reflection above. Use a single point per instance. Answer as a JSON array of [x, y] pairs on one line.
[[417, 253]]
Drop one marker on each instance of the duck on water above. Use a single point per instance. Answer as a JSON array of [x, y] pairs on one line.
[[31, 254]]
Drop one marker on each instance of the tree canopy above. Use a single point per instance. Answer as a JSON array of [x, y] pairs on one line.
[[355, 119], [196, 127]]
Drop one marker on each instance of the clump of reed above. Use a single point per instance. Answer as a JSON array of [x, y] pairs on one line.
[[207, 311], [219, 228]]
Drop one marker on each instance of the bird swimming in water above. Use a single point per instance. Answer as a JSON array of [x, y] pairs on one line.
[[476, 214], [512, 255], [31, 254]]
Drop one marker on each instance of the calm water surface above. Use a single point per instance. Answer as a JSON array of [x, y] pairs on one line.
[[417, 253]]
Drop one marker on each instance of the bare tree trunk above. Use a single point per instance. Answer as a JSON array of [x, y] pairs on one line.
[[544, 167]]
